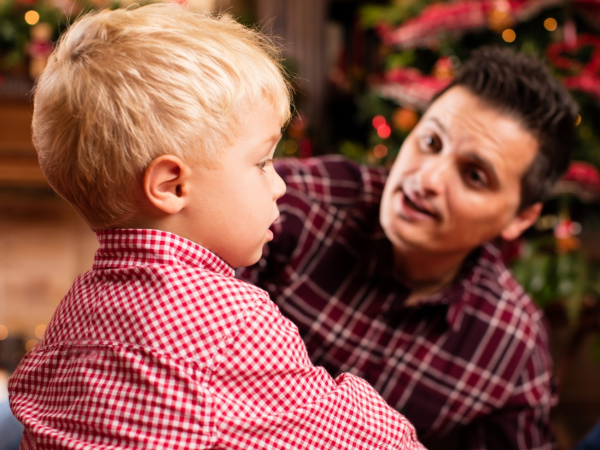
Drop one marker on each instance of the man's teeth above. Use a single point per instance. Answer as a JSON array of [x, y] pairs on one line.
[[413, 205]]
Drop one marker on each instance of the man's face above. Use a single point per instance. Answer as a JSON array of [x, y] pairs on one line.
[[456, 182]]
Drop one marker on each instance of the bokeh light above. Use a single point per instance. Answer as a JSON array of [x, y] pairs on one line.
[[384, 131], [378, 121], [380, 151], [40, 330], [30, 344], [3, 332], [32, 17], [550, 24], [578, 121], [509, 35], [290, 147]]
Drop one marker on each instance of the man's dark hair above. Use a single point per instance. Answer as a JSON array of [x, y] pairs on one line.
[[522, 86]]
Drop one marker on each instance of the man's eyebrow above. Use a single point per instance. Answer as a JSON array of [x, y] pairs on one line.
[[484, 162], [439, 123]]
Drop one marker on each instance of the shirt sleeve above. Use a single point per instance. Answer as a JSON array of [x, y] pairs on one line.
[[523, 423], [268, 395]]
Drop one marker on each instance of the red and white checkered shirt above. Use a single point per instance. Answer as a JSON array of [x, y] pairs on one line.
[[469, 367], [160, 347]]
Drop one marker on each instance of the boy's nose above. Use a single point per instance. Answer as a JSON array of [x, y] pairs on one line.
[[278, 187]]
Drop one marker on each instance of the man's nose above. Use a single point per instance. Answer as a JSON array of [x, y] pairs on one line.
[[278, 186], [434, 174]]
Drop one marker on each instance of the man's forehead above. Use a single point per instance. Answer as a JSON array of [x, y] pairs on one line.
[[471, 125]]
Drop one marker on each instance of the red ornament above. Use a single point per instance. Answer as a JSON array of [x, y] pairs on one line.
[[405, 119]]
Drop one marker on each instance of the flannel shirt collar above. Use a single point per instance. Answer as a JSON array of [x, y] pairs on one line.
[[454, 297], [122, 248]]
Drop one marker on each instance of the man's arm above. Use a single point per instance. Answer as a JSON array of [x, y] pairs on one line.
[[268, 395]]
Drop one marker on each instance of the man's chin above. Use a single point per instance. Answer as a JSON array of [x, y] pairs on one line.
[[407, 235]]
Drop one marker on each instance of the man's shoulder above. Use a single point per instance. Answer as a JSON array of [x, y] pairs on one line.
[[501, 299], [332, 179], [491, 272]]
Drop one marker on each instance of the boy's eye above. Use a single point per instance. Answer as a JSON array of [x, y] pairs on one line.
[[264, 164]]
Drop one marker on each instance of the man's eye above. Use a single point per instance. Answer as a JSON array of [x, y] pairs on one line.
[[431, 143], [264, 164], [476, 177]]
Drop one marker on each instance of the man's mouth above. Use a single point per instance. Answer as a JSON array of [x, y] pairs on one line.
[[411, 202]]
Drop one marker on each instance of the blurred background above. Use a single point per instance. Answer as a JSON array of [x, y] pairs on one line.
[[363, 71]]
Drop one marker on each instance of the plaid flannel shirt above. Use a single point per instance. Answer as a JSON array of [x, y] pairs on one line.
[[469, 367], [160, 347]]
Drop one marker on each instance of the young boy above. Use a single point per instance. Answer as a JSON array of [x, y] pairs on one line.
[[159, 127]]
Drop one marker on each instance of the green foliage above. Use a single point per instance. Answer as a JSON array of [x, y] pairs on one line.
[[373, 15], [549, 276], [15, 32]]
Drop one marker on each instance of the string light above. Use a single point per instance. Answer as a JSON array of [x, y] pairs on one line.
[[550, 24], [380, 151], [384, 131], [3, 332], [40, 330], [509, 35], [378, 121], [32, 17]]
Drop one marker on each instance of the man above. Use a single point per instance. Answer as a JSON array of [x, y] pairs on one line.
[[419, 302]]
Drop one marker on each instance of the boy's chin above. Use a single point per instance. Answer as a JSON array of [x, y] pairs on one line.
[[247, 260]]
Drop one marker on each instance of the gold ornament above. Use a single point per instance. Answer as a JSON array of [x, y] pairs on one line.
[[443, 69], [405, 119], [500, 17]]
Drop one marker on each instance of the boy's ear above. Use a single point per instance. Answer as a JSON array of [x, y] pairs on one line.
[[166, 183], [521, 222]]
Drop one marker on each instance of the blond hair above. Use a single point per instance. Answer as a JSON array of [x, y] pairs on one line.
[[126, 86]]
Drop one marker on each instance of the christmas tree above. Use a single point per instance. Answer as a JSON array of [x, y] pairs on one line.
[[423, 43]]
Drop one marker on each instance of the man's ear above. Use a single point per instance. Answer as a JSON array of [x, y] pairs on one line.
[[166, 183], [521, 222]]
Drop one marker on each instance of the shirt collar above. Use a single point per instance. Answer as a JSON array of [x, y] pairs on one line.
[[457, 294], [121, 248]]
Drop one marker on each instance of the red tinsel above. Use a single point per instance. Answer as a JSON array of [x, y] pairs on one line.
[[584, 77], [583, 173], [581, 180], [456, 18], [410, 88]]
